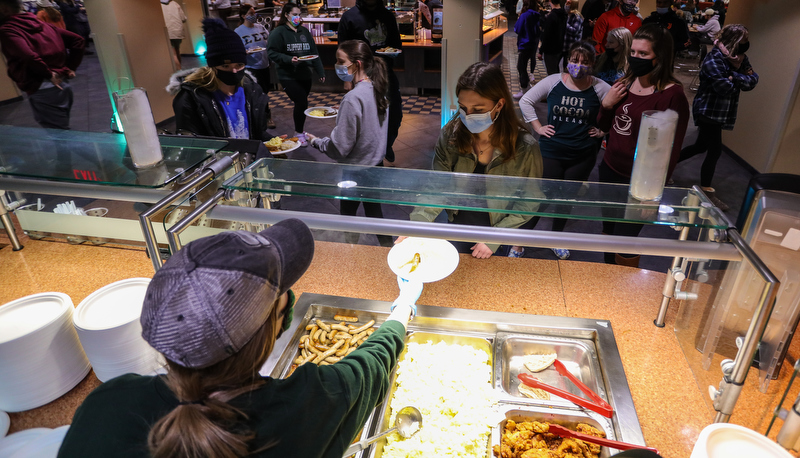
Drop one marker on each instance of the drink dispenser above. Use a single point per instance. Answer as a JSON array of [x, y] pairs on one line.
[[136, 117], [653, 151]]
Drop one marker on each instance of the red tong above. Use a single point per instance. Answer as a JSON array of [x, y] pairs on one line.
[[597, 404], [564, 432]]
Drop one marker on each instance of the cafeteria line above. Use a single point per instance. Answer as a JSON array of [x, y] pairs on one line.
[[668, 396]]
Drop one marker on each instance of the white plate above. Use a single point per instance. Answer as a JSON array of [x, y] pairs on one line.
[[5, 422], [281, 153], [389, 54], [11, 444], [112, 305], [438, 259], [29, 314], [726, 440], [309, 110], [255, 50], [311, 57], [45, 446]]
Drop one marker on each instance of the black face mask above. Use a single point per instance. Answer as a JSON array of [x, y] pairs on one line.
[[230, 78], [639, 66], [743, 47], [612, 53]]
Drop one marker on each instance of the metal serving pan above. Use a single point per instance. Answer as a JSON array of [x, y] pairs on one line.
[[606, 371], [578, 356], [384, 415], [566, 418]]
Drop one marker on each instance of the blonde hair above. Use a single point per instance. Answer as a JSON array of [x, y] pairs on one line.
[[203, 424], [625, 39], [204, 77]]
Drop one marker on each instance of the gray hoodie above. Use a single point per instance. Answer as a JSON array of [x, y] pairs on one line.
[[360, 134]]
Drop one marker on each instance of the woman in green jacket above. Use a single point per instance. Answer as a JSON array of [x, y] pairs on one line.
[[486, 138], [290, 46]]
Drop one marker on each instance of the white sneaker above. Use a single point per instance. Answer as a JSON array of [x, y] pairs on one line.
[[518, 95]]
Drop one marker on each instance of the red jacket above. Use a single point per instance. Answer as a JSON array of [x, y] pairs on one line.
[[609, 21], [34, 50]]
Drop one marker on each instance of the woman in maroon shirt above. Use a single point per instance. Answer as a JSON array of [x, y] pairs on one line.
[[648, 84]]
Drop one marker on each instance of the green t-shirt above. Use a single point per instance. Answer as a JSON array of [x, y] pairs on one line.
[[316, 412]]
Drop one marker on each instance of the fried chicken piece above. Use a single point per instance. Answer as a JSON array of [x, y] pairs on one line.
[[590, 430], [539, 453]]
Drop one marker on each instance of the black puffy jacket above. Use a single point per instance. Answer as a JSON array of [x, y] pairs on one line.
[[197, 112]]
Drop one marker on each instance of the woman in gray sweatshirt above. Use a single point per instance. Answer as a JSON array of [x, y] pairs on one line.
[[361, 131]]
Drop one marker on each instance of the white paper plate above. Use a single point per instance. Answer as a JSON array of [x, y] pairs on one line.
[[725, 440], [30, 314], [310, 109], [310, 57], [282, 152], [5, 422], [112, 305], [14, 442], [389, 54], [45, 446], [438, 259]]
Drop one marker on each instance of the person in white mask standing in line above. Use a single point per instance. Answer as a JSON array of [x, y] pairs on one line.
[[486, 137]]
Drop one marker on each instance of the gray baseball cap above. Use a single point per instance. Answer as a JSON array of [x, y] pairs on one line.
[[210, 298]]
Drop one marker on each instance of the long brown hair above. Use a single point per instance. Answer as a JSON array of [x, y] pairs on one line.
[[358, 52], [203, 424], [287, 8], [487, 80], [661, 41], [53, 13]]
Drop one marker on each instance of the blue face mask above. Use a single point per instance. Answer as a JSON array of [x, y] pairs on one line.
[[477, 122], [662, 10], [341, 72]]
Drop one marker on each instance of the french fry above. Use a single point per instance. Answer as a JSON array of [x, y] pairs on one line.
[[351, 319]]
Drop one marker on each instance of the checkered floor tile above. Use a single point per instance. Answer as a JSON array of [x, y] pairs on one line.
[[411, 104], [421, 104]]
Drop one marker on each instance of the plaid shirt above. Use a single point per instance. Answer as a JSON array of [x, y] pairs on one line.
[[718, 96], [574, 30]]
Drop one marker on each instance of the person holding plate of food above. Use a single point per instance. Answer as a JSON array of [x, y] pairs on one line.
[[214, 311], [254, 36], [292, 48], [361, 130]]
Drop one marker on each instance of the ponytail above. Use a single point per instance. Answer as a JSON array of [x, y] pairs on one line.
[[380, 84], [204, 424]]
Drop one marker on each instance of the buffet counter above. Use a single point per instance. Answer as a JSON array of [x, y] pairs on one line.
[[671, 408]]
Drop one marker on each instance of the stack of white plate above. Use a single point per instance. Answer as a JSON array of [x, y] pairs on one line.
[[33, 443], [40, 355], [108, 326]]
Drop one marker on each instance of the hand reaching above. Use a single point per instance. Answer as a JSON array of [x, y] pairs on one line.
[[481, 251]]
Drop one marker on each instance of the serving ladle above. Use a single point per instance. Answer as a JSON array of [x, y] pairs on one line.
[[407, 422]]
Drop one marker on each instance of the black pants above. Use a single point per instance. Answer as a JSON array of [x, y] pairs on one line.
[[551, 63], [395, 112], [263, 77], [298, 92], [566, 169], [709, 138], [524, 56], [51, 106], [607, 175], [371, 209]]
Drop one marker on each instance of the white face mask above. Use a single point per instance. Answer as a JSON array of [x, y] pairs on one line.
[[477, 122]]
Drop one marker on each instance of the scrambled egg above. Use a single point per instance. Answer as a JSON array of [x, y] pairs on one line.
[[317, 113], [274, 141], [451, 386]]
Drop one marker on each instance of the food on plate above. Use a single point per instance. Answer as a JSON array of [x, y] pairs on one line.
[[539, 362], [531, 439], [320, 112], [451, 386], [256, 49], [277, 144], [389, 50], [328, 343], [414, 262], [535, 393]]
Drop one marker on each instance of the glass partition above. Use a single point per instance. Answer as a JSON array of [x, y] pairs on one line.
[[98, 158], [515, 195]]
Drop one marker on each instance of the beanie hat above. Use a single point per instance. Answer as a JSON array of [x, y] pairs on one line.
[[223, 45]]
